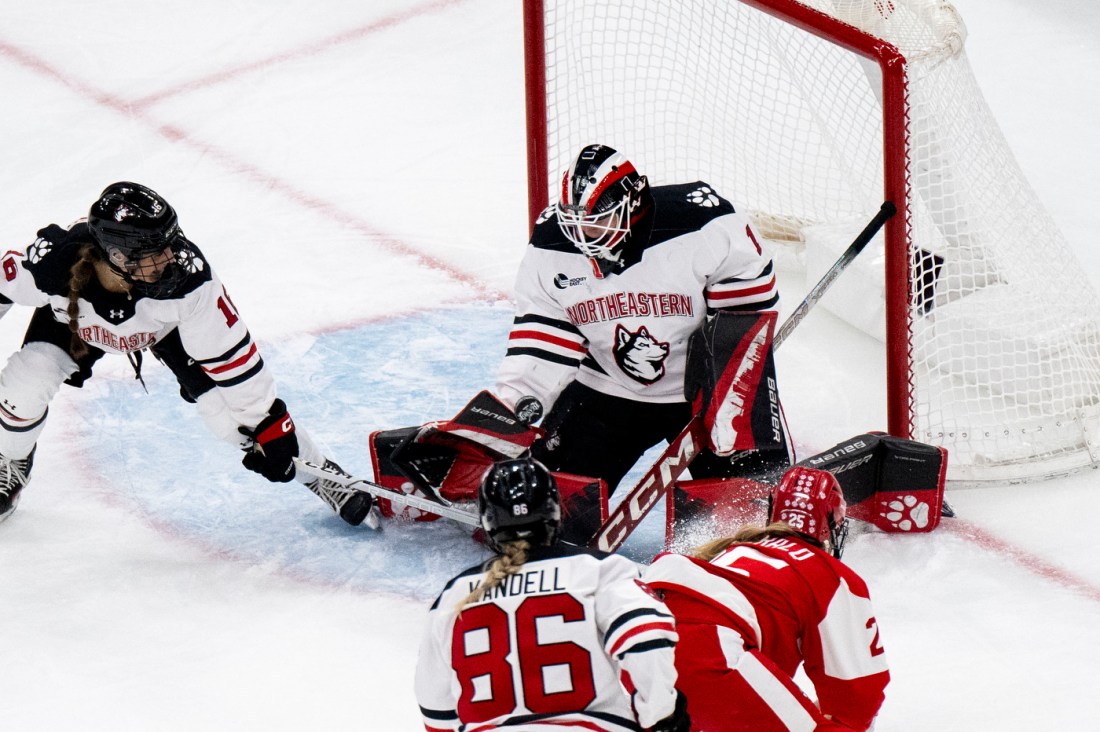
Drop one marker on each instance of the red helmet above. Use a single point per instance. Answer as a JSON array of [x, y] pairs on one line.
[[811, 502]]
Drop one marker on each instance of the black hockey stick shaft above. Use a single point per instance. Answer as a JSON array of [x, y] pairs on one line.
[[658, 480], [858, 244]]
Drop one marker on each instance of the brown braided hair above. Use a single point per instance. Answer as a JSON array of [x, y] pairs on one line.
[[79, 275], [513, 555]]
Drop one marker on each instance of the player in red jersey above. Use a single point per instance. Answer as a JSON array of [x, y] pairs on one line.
[[751, 608]]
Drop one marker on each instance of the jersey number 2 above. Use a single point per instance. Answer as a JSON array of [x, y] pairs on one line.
[[489, 663]]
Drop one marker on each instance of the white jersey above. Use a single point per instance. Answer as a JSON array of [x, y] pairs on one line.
[[626, 334], [552, 647], [209, 328]]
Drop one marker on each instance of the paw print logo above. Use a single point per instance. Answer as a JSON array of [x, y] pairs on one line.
[[190, 262], [39, 249], [906, 513], [705, 197]]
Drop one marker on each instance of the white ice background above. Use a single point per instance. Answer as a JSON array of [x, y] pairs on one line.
[[355, 173]]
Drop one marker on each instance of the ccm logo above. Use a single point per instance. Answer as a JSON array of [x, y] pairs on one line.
[[653, 486]]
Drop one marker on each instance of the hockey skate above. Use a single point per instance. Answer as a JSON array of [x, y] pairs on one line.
[[354, 506], [14, 475]]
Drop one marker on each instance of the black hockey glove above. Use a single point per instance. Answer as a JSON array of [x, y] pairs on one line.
[[678, 721], [276, 445]]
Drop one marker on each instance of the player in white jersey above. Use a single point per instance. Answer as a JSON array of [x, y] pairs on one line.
[[545, 636], [125, 281], [617, 277], [751, 608]]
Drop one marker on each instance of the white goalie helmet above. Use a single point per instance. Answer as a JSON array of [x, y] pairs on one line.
[[602, 199]]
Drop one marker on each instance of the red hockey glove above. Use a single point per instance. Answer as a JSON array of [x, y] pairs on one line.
[[276, 445], [678, 721]]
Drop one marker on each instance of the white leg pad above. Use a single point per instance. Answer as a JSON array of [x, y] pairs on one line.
[[28, 384]]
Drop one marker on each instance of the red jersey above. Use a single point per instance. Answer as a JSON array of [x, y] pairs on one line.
[[795, 604]]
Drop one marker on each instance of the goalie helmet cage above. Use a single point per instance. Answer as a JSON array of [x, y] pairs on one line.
[[808, 115]]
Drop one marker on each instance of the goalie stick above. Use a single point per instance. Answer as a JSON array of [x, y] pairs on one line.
[[348, 481], [637, 503]]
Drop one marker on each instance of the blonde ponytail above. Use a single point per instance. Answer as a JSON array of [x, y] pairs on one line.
[[513, 555]]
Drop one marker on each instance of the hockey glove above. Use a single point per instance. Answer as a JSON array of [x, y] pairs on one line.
[[678, 721], [275, 445]]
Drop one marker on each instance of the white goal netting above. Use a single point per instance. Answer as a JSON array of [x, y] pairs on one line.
[[992, 327]]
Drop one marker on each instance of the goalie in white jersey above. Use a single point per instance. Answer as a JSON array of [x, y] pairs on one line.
[[125, 281], [751, 608], [617, 277], [545, 636]]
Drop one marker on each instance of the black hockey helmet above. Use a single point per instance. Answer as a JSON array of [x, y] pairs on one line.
[[605, 203], [518, 499], [132, 225]]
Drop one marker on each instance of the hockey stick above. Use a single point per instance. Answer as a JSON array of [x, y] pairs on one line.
[[858, 244], [681, 451], [341, 478]]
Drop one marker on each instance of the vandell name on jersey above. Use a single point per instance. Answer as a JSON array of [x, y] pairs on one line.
[[625, 334]]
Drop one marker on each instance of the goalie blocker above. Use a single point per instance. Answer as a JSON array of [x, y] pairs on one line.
[[445, 461], [895, 484]]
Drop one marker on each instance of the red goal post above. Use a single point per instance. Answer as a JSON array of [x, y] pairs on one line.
[[808, 115]]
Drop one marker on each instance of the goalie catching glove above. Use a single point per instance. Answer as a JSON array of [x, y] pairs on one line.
[[275, 445]]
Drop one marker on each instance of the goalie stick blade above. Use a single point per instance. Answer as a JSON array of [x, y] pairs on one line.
[[351, 482]]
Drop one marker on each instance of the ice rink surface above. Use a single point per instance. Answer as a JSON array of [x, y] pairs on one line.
[[355, 173]]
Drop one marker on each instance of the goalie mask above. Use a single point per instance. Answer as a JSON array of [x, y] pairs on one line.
[[138, 233], [605, 204], [811, 502], [518, 499]]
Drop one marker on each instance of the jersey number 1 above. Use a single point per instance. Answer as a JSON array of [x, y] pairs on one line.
[[229, 310], [489, 624]]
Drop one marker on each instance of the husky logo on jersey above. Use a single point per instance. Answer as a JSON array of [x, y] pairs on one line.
[[561, 281], [640, 355], [705, 197], [39, 249]]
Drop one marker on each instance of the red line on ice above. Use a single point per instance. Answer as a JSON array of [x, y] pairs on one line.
[[312, 49], [267, 181], [1025, 559]]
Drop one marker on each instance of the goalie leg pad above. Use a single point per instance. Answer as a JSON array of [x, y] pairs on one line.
[[699, 510], [583, 507], [893, 483], [383, 445]]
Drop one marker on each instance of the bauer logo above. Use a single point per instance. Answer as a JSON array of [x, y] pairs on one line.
[[562, 282]]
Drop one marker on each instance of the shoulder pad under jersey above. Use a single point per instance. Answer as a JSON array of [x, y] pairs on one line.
[[686, 207], [53, 254], [548, 235]]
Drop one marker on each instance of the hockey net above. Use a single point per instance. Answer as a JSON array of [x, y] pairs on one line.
[[808, 115]]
